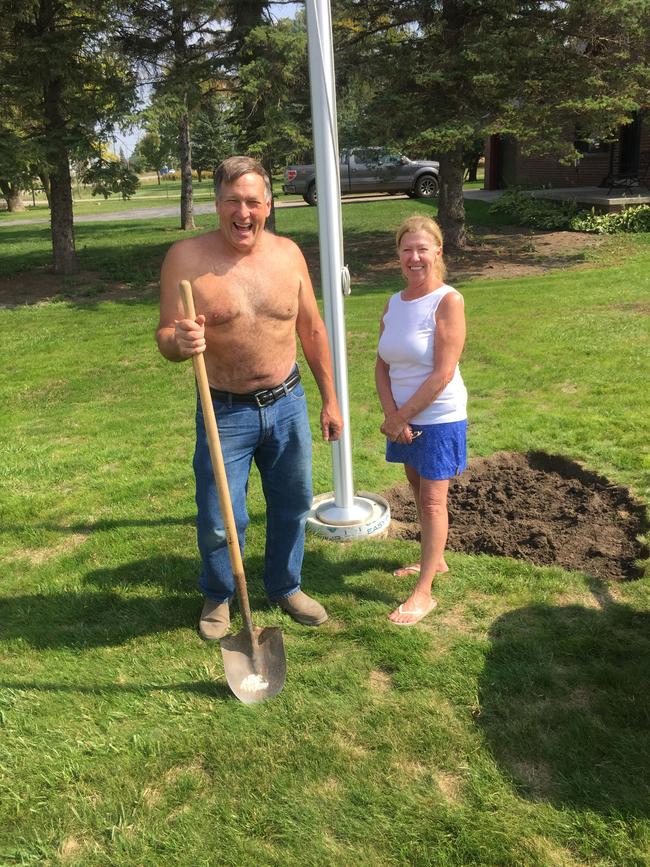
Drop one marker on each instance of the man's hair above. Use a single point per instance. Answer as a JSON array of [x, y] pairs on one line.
[[419, 223], [235, 167]]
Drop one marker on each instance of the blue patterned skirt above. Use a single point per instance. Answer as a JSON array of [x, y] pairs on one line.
[[440, 452]]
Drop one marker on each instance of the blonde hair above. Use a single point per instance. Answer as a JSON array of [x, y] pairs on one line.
[[419, 223]]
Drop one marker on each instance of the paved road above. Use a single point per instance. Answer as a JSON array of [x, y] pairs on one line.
[[174, 210]]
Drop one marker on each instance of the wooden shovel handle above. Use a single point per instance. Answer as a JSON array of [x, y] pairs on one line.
[[218, 467]]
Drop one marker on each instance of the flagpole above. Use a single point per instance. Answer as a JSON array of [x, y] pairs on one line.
[[345, 508]]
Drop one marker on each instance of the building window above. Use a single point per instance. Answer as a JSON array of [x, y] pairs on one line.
[[587, 144]]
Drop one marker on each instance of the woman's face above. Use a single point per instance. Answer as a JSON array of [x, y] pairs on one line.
[[419, 256]]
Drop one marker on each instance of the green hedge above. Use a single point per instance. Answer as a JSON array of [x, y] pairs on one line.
[[525, 210], [635, 219]]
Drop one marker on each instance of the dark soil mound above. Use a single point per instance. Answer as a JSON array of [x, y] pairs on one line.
[[537, 507]]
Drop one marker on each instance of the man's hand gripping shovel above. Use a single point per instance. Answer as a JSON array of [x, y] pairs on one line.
[[254, 661]]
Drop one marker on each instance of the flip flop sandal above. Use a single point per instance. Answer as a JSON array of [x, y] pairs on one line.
[[418, 613]]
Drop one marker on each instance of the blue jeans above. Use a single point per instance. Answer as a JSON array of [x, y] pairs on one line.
[[278, 438]]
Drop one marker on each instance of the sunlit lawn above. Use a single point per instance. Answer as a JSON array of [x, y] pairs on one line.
[[509, 728]]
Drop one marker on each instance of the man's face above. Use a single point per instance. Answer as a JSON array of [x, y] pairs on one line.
[[242, 210]]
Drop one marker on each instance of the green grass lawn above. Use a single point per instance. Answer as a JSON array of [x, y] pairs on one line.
[[512, 727]]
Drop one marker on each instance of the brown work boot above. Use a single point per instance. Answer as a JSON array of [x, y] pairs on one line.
[[303, 609], [214, 621]]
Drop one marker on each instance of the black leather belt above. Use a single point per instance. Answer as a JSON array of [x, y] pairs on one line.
[[263, 397]]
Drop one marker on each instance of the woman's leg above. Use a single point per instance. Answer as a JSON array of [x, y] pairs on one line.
[[414, 480], [434, 525]]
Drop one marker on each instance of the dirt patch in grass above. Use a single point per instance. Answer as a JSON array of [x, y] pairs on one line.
[[542, 508], [42, 287], [536, 777], [511, 252], [507, 252], [380, 681], [38, 556], [450, 785]]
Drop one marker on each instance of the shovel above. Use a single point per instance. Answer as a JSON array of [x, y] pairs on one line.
[[253, 660]]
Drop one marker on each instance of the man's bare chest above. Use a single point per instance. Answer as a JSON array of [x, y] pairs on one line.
[[245, 298]]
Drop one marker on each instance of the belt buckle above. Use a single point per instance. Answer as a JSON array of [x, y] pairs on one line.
[[264, 398]]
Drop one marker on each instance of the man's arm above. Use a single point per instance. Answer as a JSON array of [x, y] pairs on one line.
[[178, 338], [313, 339]]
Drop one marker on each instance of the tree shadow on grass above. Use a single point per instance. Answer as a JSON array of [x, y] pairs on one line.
[[171, 572], [321, 577], [324, 578], [112, 614], [92, 619], [565, 704], [207, 688]]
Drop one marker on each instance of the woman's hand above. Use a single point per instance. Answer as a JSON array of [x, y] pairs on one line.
[[396, 429]]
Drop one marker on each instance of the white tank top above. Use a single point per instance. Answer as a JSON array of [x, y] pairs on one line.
[[407, 346]]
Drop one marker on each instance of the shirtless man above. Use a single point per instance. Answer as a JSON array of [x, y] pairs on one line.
[[252, 295]]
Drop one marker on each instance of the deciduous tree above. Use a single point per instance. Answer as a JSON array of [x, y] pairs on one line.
[[60, 69]]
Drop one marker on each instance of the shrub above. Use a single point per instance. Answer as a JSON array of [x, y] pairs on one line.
[[635, 219], [525, 210], [176, 175]]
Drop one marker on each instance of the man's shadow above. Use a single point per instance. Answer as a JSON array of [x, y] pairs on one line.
[[565, 703]]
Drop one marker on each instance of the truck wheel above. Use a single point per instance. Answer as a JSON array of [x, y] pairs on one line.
[[426, 187], [310, 196]]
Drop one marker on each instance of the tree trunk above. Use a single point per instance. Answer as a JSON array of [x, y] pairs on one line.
[[158, 176], [199, 175], [44, 177], [270, 223], [58, 159], [472, 169], [65, 257], [15, 201], [451, 206], [185, 154], [13, 196]]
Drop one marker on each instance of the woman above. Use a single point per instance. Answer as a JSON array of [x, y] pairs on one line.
[[423, 397]]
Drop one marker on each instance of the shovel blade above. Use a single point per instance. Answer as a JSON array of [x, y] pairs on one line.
[[255, 669]]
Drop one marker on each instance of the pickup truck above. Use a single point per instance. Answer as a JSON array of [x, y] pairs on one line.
[[369, 170]]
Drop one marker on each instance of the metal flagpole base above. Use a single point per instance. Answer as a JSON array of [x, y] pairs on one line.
[[329, 513], [368, 516]]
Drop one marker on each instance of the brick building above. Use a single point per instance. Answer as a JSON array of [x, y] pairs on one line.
[[506, 166]]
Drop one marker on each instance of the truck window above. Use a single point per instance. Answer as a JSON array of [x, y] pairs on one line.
[[365, 156]]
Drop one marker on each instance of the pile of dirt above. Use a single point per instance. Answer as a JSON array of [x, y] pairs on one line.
[[537, 507]]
